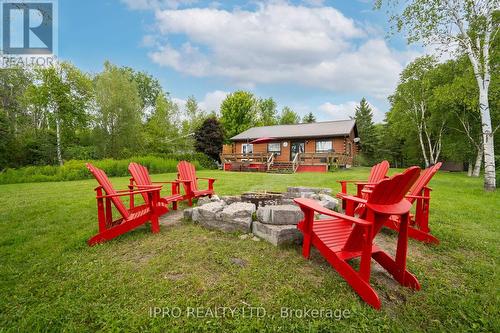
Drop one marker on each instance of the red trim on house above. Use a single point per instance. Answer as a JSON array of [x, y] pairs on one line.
[[312, 168]]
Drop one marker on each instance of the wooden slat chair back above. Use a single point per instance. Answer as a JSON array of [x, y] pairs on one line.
[[187, 171], [343, 237], [142, 179], [377, 173], [186, 174], [131, 218], [103, 180], [419, 193], [423, 181]]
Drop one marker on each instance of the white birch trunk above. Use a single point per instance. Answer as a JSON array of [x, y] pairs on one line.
[[58, 138], [477, 165], [422, 146]]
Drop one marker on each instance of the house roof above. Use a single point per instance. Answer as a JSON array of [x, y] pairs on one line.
[[320, 129]]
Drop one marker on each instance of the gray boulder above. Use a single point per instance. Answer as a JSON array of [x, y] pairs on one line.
[[280, 215], [237, 217], [205, 200], [301, 189], [230, 199], [277, 234], [188, 213], [328, 201], [209, 215]]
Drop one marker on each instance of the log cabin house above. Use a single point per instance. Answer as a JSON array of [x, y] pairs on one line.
[[315, 147]]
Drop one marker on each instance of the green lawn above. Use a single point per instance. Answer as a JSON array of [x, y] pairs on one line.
[[50, 280]]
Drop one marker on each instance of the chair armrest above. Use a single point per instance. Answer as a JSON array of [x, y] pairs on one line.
[[349, 181], [351, 198], [311, 204], [185, 180], [151, 190], [416, 196], [206, 178], [366, 183], [167, 182]]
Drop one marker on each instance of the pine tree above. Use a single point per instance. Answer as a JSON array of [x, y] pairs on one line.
[[309, 118], [366, 129]]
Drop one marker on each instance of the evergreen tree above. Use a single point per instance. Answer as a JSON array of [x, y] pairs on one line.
[[366, 129], [309, 118]]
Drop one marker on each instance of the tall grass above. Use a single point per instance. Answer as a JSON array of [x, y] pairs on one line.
[[75, 169]]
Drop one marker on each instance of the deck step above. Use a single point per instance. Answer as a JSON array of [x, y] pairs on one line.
[[281, 167]]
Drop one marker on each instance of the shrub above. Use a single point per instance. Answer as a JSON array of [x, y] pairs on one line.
[[75, 169]]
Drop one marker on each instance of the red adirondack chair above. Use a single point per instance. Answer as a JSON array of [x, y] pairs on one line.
[[142, 180], [342, 237], [186, 174], [377, 173], [130, 218], [419, 223]]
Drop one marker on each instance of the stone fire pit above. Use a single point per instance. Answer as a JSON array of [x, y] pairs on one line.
[[262, 199], [271, 216]]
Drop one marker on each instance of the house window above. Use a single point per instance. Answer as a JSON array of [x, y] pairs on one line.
[[324, 146], [274, 147], [247, 148], [349, 149]]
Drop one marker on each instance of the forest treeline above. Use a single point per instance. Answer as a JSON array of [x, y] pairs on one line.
[[60, 113]]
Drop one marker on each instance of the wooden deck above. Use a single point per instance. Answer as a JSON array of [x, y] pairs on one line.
[[265, 162]]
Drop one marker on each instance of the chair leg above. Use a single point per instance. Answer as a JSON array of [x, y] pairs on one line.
[[389, 264], [174, 205], [155, 225], [353, 278]]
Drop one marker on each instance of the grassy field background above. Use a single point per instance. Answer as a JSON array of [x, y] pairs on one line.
[[51, 281]]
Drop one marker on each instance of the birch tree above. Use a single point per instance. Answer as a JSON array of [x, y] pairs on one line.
[[470, 26], [62, 91], [412, 98]]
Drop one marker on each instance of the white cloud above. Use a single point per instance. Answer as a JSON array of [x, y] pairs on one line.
[[210, 102], [346, 110], [213, 100], [279, 43]]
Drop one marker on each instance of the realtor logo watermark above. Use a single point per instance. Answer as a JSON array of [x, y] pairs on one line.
[[28, 32]]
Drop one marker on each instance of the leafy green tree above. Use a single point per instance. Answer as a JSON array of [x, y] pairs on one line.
[[16, 121], [119, 113], [238, 113], [210, 138], [366, 129], [288, 117], [160, 127], [472, 25], [267, 112], [148, 87], [62, 92], [309, 118]]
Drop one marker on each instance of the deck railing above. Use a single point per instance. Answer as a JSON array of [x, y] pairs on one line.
[[332, 159], [245, 158]]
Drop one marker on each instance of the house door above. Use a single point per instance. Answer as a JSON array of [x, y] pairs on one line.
[[296, 147]]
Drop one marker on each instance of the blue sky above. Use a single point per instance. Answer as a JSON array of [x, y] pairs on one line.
[[311, 55]]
